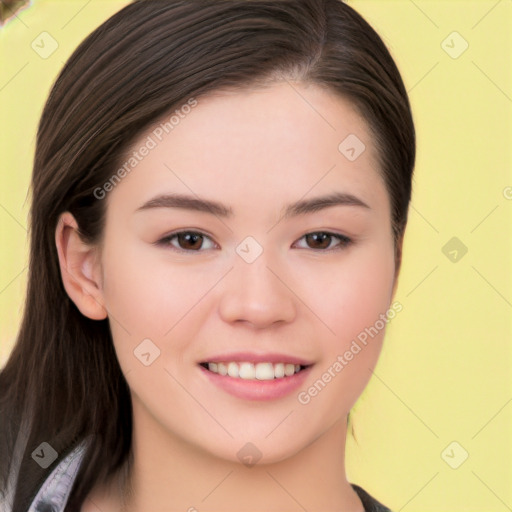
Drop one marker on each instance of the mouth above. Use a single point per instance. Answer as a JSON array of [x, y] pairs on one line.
[[246, 370], [255, 381]]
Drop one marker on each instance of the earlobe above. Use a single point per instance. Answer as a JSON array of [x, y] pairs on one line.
[[79, 269]]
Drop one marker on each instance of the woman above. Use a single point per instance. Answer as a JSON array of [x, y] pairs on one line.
[[220, 193]]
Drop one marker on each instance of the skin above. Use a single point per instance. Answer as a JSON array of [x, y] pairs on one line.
[[255, 151]]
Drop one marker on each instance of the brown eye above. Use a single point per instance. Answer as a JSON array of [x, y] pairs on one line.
[[190, 241], [323, 240]]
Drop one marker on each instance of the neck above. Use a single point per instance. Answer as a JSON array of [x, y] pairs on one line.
[[170, 474]]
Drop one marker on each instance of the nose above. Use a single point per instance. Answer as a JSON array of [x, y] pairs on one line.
[[257, 294]]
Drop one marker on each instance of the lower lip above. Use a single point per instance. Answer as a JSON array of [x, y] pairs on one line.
[[258, 389]]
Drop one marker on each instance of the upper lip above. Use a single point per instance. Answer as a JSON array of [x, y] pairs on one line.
[[253, 357]]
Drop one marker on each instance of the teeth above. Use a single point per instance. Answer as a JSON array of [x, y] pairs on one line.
[[279, 371], [233, 370], [251, 371], [247, 371]]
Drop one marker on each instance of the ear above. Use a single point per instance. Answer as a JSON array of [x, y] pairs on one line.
[[80, 269]]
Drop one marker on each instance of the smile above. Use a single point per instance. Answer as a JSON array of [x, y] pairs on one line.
[[255, 381], [253, 371]]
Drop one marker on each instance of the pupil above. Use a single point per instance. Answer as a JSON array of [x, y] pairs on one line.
[[320, 238], [191, 238]]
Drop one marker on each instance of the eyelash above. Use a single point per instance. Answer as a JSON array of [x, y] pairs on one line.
[[344, 240]]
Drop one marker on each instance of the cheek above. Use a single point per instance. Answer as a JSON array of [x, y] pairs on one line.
[[148, 294], [155, 302], [355, 292], [361, 294]]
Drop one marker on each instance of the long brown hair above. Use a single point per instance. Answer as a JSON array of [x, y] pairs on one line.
[[62, 382]]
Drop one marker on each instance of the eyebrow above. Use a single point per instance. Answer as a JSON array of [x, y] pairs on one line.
[[301, 207]]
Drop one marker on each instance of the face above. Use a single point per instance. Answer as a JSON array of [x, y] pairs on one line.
[[251, 278]]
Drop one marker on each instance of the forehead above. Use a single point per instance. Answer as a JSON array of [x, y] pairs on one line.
[[279, 142]]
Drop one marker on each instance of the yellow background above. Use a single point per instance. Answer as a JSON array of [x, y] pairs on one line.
[[445, 371]]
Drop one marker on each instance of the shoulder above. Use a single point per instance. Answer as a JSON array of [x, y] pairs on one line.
[[56, 489], [370, 504]]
